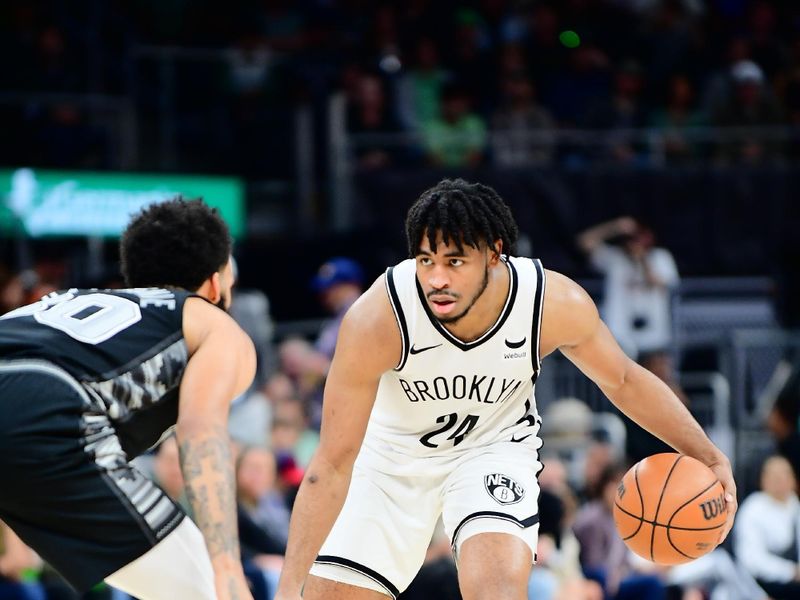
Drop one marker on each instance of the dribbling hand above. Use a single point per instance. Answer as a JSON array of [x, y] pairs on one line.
[[722, 470]]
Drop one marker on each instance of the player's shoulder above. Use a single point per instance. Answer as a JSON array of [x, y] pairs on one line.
[[198, 311], [568, 312], [369, 338], [201, 319], [564, 294], [372, 311]]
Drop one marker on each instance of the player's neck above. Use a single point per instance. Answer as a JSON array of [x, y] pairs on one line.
[[487, 308]]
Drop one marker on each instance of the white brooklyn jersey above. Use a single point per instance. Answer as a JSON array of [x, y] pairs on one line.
[[447, 396]]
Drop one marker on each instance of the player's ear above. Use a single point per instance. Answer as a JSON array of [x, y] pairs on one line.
[[496, 249], [215, 288]]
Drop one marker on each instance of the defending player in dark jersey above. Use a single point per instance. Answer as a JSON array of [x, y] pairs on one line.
[[89, 379]]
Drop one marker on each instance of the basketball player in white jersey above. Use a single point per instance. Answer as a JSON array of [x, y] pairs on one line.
[[429, 410]]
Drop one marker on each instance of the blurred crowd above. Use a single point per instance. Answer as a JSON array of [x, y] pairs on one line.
[[461, 83], [274, 427], [511, 83]]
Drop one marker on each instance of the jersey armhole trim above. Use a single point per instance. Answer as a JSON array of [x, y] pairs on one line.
[[397, 308], [536, 332], [359, 568]]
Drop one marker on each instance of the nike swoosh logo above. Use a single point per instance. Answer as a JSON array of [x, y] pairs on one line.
[[418, 350], [516, 344]]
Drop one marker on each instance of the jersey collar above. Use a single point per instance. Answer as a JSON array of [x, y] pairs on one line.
[[487, 335]]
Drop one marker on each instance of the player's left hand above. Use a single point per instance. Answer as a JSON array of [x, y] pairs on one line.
[[722, 469]]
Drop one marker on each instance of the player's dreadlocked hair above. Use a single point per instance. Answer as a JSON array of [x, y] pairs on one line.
[[179, 243], [465, 213]]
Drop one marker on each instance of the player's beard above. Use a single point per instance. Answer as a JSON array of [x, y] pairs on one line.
[[478, 294]]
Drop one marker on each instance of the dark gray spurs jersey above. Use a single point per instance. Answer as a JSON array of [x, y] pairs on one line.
[[124, 347]]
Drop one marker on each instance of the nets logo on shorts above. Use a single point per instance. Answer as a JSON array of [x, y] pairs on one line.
[[503, 489]]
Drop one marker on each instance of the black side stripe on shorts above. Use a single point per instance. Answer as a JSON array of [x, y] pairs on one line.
[[359, 568], [522, 524], [537, 318], [394, 299]]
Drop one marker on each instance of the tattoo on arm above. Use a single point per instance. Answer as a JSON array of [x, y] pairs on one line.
[[233, 591], [207, 466]]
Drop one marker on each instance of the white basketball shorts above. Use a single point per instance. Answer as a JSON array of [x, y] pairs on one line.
[[381, 536]]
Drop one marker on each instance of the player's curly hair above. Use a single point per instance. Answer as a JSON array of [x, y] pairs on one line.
[[466, 213], [178, 243]]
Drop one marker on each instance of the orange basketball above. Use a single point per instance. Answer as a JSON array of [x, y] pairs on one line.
[[670, 509]]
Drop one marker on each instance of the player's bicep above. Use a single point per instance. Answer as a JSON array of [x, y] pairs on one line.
[[600, 358], [572, 324]]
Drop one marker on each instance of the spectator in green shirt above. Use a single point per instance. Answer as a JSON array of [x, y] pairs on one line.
[[419, 91], [458, 138]]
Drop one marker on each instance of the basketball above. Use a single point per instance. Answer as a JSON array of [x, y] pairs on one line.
[[670, 509]]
